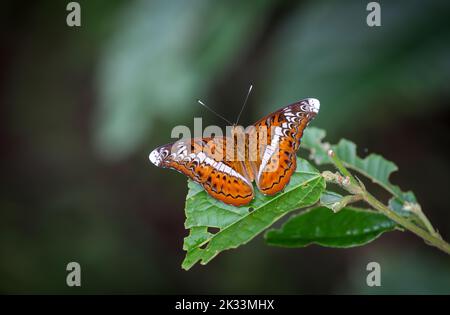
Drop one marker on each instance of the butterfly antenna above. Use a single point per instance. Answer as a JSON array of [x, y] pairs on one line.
[[245, 102], [214, 112]]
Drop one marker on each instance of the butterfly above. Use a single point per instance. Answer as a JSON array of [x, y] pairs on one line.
[[226, 170]]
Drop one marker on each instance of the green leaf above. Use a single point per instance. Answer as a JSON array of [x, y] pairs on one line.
[[238, 225], [398, 204], [313, 141], [329, 199], [348, 228], [374, 166]]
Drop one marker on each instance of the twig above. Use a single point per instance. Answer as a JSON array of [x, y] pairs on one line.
[[355, 187]]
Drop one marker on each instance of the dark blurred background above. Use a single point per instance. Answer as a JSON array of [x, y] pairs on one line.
[[83, 106]]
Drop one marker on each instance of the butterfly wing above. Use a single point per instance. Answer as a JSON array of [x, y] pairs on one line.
[[284, 129], [207, 162], [204, 161]]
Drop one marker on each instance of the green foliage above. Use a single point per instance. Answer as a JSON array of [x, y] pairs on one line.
[[347, 228], [373, 167], [330, 199], [342, 227], [238, 225]]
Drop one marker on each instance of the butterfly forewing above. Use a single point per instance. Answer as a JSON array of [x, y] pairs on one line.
[[284, 128], [205, 162]]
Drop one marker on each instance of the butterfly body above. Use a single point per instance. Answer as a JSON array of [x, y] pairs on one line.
[[226, 166]]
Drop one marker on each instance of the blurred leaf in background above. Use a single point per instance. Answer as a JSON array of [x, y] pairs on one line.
[[165, 55], [162, 58], [326, 50]]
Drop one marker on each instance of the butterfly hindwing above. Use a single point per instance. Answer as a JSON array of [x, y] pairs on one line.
[[204, 161]]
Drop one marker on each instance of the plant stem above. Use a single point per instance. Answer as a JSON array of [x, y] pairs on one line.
[[410, 226], [340, 166], [422, 217], [427, 223], [430, 236]]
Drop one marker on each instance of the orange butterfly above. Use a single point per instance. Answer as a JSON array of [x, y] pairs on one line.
[[226, 169]]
